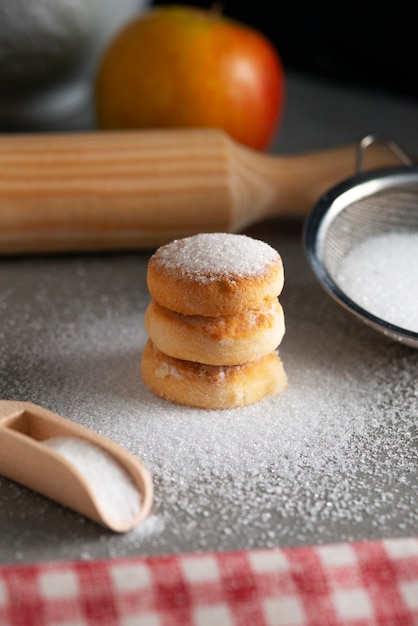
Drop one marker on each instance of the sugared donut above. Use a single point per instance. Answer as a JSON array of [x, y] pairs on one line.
[[221, 340], [208, 386], [213, 274]]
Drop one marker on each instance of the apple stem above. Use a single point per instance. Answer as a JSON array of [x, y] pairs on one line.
[[217, 8]]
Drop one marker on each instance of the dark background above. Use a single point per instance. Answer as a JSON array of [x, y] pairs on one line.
[[374, 45]]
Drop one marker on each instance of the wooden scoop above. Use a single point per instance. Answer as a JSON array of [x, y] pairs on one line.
[[27, 460], [140, 189]]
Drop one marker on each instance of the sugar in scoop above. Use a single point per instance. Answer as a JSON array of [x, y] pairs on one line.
[[114, 490]]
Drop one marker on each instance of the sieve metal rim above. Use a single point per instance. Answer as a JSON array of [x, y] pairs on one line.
[[360, 185]]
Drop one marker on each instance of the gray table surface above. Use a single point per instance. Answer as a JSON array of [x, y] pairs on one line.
[[333, 459]]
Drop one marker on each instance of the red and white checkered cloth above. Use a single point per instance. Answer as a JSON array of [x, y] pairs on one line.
[[350, 584]]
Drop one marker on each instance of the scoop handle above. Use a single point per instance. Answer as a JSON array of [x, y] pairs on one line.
[[12, 408], [139, 189]]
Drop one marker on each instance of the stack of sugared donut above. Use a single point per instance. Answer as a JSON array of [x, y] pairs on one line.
[[214, 322]]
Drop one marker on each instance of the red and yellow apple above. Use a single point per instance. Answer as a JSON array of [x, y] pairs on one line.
[[181, 66]]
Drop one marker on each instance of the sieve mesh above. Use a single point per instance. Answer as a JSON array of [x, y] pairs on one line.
[[364, 206], [390, 210]]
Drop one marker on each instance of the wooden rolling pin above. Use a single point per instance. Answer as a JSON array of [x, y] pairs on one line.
[[139, 189]]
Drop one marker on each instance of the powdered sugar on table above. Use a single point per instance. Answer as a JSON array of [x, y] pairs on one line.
[[334, 458]]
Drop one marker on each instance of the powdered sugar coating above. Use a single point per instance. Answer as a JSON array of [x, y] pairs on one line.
[[214, 274], [208, 256]]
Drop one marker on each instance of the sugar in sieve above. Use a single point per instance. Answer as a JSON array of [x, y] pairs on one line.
[[368, 204]]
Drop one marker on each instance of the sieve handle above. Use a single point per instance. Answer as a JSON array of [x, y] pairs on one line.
[[374, 139], [139, 189]]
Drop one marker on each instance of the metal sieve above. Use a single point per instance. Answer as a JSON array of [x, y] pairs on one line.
[[363, 206]]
